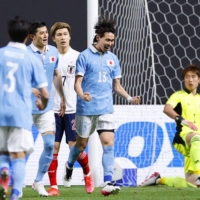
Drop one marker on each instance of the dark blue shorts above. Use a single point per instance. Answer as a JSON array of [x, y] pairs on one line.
[[65, 124]]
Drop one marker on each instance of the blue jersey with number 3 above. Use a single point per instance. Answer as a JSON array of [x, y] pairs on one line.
[[19, 69], [98, 71]]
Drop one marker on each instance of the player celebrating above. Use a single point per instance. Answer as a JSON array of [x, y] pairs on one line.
[[45, 120], [19, 68], [97, 75], [183, 107], [61, 34]]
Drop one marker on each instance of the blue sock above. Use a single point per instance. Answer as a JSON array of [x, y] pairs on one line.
[[46, 157], [73, 155], [18, 175], [4, 161], [108, 162]]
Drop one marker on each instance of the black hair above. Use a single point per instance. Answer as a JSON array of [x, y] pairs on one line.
[[34, 25], [102, 26], [191, 67], [18, 29]]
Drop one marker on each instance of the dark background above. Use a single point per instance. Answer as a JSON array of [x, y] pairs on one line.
[[74, 12], [175, 31], [176, 43]]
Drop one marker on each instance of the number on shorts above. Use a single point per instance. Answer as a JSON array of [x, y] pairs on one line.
[[73, 124]]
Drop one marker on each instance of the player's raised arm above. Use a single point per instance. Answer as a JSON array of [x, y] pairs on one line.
[[121, 92]]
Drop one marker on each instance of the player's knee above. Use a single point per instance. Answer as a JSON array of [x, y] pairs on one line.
[[195, 139]]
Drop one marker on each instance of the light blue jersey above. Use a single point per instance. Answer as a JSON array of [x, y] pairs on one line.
[[50, 63], [19, 69], [98, 71]]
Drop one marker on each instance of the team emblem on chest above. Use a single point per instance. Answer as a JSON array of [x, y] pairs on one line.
[[70, 69]]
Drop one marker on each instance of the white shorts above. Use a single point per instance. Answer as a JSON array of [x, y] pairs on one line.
[[16, 140], [86, 125], [45, 122]]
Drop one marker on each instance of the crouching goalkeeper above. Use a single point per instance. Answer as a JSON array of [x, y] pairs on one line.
[[184, 107]]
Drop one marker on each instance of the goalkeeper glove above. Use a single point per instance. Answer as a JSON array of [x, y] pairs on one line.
[[187, 123]]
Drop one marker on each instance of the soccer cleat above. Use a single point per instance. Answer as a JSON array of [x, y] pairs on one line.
[[89, 184], [198, 182], [53, 192], [4, 183], [151, 181], [39, 187], [109, 188], [21, 194], [68, 176]]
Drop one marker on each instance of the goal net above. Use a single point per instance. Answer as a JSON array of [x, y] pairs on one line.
[[155, 39]]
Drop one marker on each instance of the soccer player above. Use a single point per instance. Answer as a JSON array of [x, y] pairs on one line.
[[18, 70], [45, 120], [97, 75], [184, 107], [61, 34]]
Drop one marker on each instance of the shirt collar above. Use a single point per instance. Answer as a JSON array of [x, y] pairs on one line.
[[17, 45], [35, 49]]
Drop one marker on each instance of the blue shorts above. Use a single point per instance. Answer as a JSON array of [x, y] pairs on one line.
[[65, 124]]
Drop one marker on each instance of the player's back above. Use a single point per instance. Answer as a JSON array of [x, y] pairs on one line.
[[16, 77]]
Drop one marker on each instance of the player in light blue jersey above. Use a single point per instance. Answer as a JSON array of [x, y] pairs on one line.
[[18, 70], [44, 120], [97, 75]]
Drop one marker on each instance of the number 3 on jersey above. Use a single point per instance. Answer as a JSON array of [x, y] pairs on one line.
[[10, 76], [102, 77]]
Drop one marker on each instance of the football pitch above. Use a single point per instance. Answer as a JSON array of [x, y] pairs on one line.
[[127, 193]]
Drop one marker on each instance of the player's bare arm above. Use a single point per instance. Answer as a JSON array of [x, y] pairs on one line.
[[169, 111], [77, 86], [57, 80], [121, 92], [36, 92], [42, 102]]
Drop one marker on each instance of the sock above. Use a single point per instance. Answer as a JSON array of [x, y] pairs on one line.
[[18, 175], [52, 170], [108, 162], [4, 161], [175, 182], [46, 157], [73, 155], [83, 161], [195, 154]]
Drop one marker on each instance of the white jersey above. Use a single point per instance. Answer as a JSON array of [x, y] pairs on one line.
[[67, 67]]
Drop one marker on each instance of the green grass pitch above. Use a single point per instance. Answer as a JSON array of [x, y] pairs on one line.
[[127, 193]]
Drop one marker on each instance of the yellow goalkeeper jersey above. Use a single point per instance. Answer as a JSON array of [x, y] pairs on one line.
[[188, 106]]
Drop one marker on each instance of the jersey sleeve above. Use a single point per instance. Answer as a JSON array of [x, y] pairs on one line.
[[117, 70], [38, 76], [173, 100], [80, 65]]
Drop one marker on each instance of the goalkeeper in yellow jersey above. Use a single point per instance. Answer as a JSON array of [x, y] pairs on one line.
[[184, 107]]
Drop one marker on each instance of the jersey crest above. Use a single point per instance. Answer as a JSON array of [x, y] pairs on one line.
[[110, 63], [70, 69], [52, 59]]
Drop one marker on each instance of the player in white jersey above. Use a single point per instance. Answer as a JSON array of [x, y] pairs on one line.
[[18, 70], [97, 75], [61, 34], [44, 120]]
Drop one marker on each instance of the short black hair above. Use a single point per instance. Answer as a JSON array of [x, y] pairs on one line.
[[191, 68], [18, 29], [104, 25], [34, 25]]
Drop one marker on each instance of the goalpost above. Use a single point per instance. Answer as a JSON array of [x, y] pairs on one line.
[[155, 40]]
